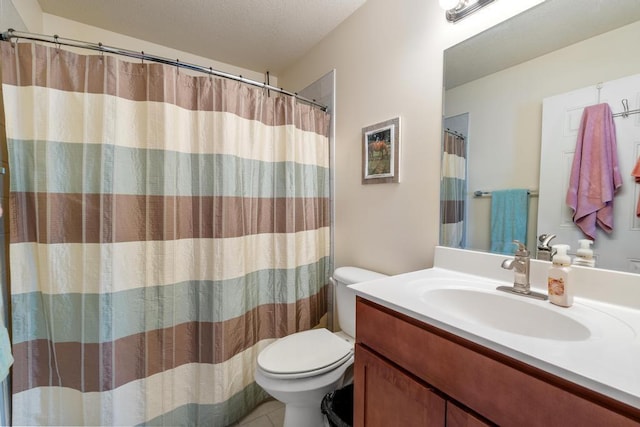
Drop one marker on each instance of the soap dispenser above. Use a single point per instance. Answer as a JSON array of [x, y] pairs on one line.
[[559, 280], [584, 255]]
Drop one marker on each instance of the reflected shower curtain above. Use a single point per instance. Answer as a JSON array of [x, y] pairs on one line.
[[453, 189], [164, 229]]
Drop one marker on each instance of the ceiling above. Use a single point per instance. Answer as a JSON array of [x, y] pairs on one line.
[[271, 35], [551, 25], [259, 35]]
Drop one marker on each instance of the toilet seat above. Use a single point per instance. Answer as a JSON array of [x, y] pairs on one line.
[[304, 354]]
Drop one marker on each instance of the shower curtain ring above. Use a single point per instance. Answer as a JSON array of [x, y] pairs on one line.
[[142, 57], [57, 43], [13, 41]]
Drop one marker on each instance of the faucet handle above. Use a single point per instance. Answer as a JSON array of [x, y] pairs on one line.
[[522, 249]]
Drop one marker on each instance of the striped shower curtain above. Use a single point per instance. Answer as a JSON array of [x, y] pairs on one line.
[[453, 190], [164, 229]]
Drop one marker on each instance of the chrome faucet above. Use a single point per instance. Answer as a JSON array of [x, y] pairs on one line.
[[545, 251], [520, 265]]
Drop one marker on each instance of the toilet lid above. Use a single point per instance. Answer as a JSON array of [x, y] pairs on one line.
[[305, 352]]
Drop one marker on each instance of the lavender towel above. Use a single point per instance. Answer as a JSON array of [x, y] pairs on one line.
[[595, 175]]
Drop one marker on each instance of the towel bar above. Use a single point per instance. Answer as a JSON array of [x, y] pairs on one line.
[[479, 193]]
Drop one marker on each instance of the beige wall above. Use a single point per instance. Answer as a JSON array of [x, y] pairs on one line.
[[388, 61], [30, 14], [9, 17], [505, 116]]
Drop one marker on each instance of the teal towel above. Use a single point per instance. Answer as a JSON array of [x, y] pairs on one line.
[[509, 214], [6, 359]]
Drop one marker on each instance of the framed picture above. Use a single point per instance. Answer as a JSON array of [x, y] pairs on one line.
[[380, 152]]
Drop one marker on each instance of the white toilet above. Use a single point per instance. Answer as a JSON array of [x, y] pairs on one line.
[[300, 369]]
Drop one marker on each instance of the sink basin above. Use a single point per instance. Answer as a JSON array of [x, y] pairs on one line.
[[506, 313], [474, 305]]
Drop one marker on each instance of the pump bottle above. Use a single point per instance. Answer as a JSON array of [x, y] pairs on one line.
[[559, 280], [584, 255]]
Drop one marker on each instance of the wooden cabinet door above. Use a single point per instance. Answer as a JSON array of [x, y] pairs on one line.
[[457, 416], [387, 396]]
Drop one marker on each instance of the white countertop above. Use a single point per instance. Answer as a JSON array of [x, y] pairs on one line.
[[607, 362]]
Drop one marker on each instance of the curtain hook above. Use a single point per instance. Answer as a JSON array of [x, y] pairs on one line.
[[101, 51], [625, 108], [12, 40], [57, 43], [142, 57], [268, 83], [178, 66]]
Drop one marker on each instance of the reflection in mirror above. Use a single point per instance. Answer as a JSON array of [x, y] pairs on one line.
[[499, 80], [582, 118]]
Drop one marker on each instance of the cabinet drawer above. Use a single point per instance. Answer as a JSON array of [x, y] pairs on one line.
[[387, 396], [501, 389]]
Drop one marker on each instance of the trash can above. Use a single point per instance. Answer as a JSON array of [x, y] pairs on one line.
[[338, 407]]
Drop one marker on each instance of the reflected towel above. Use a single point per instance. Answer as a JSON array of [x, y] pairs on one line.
[[595, 175], [6, 359], [636, 173], [509, 214]]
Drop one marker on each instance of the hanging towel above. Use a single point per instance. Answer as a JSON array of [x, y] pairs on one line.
[[6, 359], [509, 213], [636, 173], [595, 175]]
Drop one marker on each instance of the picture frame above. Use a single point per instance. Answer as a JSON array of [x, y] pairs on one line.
[[381, 152]]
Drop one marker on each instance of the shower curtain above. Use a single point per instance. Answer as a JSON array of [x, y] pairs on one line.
[[164, 229], [453, 190]]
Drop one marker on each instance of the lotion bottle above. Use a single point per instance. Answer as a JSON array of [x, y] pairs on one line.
[[584, 255], [559, 280]]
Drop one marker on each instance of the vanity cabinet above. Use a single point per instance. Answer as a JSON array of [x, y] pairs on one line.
[[410, 373]]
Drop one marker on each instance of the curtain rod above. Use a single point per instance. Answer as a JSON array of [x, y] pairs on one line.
[[55, 39], [456, 133]]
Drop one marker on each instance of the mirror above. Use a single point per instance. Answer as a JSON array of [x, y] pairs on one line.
[[495, 83]]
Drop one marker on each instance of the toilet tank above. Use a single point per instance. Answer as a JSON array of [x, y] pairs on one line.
[[345, 299]]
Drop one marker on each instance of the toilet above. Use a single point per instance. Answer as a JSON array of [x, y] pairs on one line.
[[301, 368]]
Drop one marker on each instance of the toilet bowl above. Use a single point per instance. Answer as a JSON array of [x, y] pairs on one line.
[[301, 368]]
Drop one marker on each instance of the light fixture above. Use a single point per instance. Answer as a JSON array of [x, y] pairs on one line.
[[458, 9]]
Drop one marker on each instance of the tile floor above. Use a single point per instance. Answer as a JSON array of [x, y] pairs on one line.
[[269, 414]]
